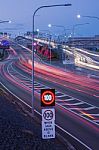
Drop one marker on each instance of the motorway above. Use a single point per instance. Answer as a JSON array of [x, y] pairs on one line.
[[77, 96]]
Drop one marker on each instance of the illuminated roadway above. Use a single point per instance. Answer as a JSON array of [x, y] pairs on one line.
[[77, 105]]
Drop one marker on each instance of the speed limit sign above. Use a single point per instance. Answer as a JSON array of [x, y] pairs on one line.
[[47, 97]]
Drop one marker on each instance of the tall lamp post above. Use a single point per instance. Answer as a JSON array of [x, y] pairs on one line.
[[93, 17], [74, 26], [59, 26], [64, 31], [5, 21], [50, 37], [90, 17], [45, 6], [43, 32]]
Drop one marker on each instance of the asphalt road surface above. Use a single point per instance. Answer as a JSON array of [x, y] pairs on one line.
[[77, 106]]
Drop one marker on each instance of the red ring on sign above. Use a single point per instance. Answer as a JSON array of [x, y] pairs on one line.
[[50, 102]]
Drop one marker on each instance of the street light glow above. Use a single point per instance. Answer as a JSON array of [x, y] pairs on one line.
[[93, 17], [49, 25], [37, 30], [78, 16], [9, 21]]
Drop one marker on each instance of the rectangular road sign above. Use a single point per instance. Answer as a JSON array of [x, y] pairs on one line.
[[48, 123]]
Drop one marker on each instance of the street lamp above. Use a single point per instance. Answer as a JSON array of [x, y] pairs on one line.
[[5, 21], [90, 17], [45, 6], [64, 31], [74, 26], [48, 35], [43, 31], [93, 17], [60, 26]]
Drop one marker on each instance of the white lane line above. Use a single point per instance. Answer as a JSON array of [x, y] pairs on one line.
[[59, 100], [76, 103], [38, 84], [25, 79], [55, 124], [17, 75], [15, 95], [77, 108], [71, 99], [77, 113], [62, 100], [73, 137], [63, 95], [89, 108], [39, 87], [96, 95], [16, 79], [96, 121], [27, 84], [56, 92], [94, 114]]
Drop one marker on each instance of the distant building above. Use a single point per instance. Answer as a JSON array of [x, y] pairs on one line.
[[91, 43]]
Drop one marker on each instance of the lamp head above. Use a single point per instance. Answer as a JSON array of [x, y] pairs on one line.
[[78, 16], [49, 25], [9, 21]]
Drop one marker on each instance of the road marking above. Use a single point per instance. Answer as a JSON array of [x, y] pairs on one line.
[[15, 95], [76, 103], [73, 137], [96, 95], [96, 120], [55, 124], [94, 114], [89, 108], [38, 86], [65, 100], [63, 95], [78, 114]]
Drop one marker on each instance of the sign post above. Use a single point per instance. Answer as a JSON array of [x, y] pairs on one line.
[[48, 113]]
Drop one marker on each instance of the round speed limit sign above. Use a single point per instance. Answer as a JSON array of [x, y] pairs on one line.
[[48, 97], [48, 115]]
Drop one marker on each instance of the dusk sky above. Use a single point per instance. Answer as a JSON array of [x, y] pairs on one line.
[[20, 12]]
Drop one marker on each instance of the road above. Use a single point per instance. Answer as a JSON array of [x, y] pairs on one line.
[[77, 106]]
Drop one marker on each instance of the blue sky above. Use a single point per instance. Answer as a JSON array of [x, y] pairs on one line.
[[20, 12]]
